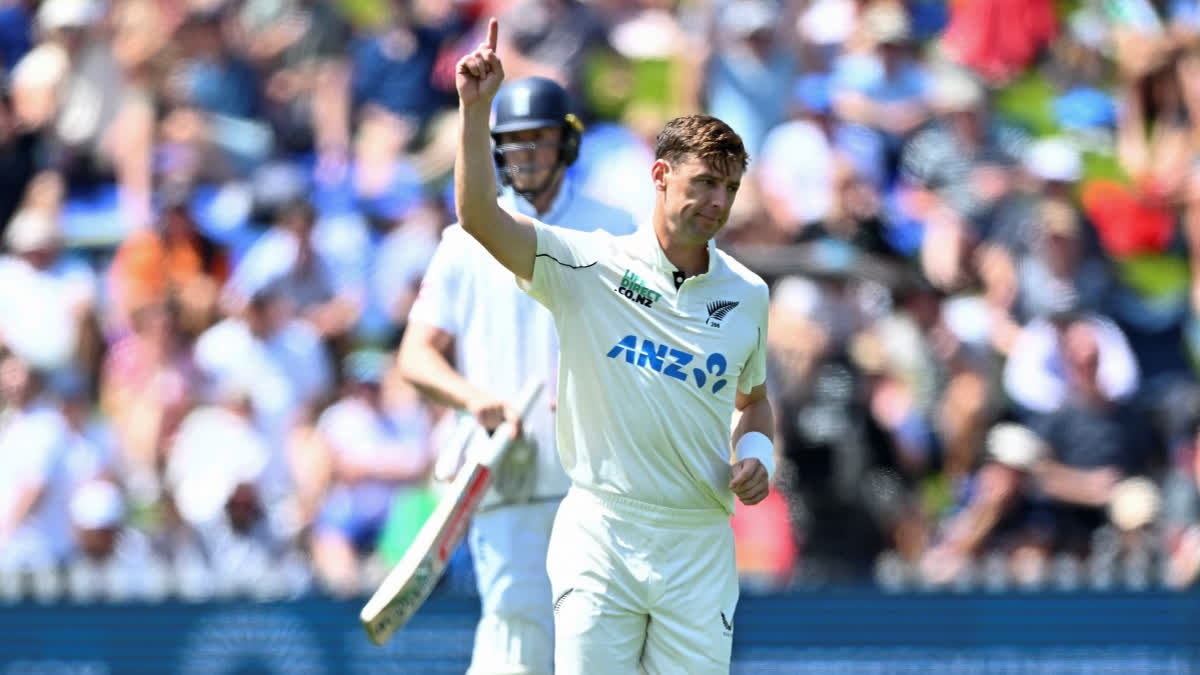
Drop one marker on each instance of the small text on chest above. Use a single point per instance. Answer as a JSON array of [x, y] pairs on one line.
[[633, 288]]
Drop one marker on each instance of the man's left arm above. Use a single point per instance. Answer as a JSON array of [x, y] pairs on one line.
[[753, 447], [753, 423]]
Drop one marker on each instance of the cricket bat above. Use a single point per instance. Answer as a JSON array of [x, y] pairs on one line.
[[410, 582]]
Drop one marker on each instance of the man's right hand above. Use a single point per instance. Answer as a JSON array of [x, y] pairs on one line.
[[491, 412], [479, 74]]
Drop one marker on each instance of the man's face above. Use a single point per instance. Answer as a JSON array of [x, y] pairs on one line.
[[97, 544], [243, 508], [697, 196], [1060, 253], [967, 123], [1080, 351], [531, 166], [14, 379]]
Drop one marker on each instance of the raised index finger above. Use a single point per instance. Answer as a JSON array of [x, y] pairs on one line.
[[493, 31]]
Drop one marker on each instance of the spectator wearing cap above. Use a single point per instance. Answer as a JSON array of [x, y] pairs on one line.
[[379, 444], [97, 516], [1053, 169], [218, 474], [1059, 265], [109, 555], [883, 87], [1048, 488], [50, 320], [967, 139], [751, 59], [955, 170], [1048, 265], [1056, 164]]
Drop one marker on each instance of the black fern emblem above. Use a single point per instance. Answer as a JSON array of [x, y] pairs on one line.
[[717, 309], [558, 603]]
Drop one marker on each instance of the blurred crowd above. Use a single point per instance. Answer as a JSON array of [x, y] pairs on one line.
[[980, 221]]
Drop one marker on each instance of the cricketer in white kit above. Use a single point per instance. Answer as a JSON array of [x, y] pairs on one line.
[[502, 340], [662, 411]]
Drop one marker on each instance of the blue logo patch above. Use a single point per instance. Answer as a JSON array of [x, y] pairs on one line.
[[672, 362]]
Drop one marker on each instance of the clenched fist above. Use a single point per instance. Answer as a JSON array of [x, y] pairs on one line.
[[749, 481], [479, 74], [491, 412]]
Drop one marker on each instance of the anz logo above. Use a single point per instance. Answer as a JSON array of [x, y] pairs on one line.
[[673, 362]]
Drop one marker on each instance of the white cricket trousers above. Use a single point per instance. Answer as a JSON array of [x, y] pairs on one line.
[[640, 588], [515, 635]]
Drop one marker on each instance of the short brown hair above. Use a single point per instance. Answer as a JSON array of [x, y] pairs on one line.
[[704, 137]]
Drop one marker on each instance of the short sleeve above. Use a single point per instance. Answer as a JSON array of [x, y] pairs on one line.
[[440, 287], [561, 255], [754, 372]]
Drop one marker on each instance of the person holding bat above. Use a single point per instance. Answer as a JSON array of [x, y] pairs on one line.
[[663, 419], [470, 313]]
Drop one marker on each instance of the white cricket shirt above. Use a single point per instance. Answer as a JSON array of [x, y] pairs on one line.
[[503, 339], [648, 374]]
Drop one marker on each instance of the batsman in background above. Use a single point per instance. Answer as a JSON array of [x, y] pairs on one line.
[[662, 354], [502, 340]]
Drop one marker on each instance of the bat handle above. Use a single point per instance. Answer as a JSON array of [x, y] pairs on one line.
[[501, 438]]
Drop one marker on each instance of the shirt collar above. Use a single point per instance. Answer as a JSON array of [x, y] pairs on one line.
[[648, 242], [558, 208]]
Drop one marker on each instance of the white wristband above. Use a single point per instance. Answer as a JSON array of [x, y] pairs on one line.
[[756, 444]]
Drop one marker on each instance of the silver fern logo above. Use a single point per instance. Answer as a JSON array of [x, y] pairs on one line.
[[717, 309]]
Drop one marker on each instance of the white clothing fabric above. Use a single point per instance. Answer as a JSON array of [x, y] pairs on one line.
[[214, 451], [638, 585], [648, 373], [797, 168], [392, 437], [281, 373], [504, 340], [340, 242], [39, 322], [33, 448], [1035, 374], [516, 630], [397, 269]]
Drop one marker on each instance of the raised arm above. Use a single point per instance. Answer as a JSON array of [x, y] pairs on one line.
[[510, 238]]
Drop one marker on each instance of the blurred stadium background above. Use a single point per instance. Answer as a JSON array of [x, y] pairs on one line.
[[981, 224]]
